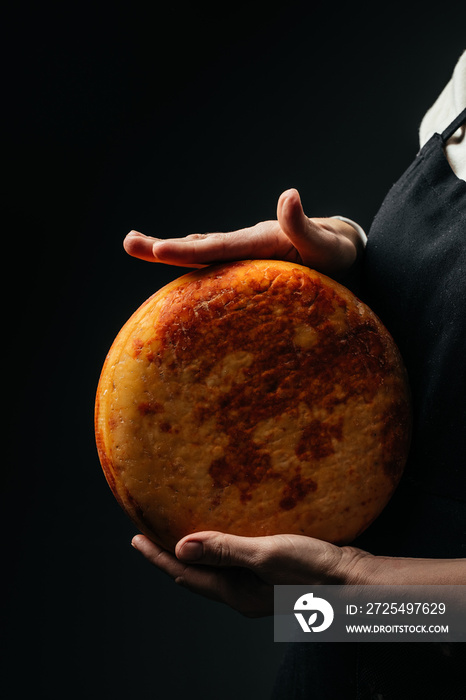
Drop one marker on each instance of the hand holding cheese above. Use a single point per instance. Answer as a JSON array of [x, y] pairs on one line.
[[328, 245], [238, 570]]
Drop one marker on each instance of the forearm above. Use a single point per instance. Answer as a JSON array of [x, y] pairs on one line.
[[366, 569]]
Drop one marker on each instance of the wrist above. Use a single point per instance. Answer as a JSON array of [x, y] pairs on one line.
[[356, 567]]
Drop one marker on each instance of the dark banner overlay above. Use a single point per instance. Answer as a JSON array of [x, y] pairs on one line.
[[370, 613]]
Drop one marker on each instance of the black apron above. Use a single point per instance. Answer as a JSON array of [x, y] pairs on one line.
[[414, 278]]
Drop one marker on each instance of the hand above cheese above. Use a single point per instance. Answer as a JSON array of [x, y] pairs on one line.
[[328, 245]]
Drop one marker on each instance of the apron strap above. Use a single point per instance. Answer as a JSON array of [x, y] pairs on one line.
[[456, 123]]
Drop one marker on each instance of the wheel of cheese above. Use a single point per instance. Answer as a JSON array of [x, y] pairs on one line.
[[255, 398]]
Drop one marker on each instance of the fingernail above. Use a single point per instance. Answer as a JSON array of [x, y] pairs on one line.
[[191, 551]]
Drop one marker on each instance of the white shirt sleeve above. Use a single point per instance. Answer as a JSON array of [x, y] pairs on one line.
[[449, 104], [359, 229]]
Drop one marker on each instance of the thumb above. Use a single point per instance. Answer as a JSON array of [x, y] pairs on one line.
[[220, 549], [276, 559], [314, 239], [301, 230], [290, 214]]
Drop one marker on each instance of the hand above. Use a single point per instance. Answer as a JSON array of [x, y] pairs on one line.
[[330, 246], [241, 571]]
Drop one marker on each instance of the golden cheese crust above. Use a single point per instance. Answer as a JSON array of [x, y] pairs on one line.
[[255, 398]]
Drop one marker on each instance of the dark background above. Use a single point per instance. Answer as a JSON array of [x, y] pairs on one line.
[[170, 120]]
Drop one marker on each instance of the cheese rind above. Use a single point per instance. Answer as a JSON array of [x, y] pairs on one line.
[[255, 398]]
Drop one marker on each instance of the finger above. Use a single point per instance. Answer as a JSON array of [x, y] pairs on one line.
[[319, 243], [305, 235], [139, 246], [157, 556], [152, 249], [204, 249], [239, 589], [223, 550], [196, 249], [169, 564], [234, 584], [290, 213], [264, 240]]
